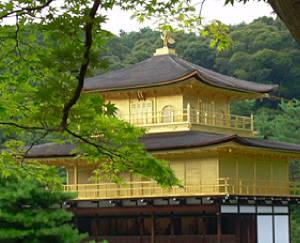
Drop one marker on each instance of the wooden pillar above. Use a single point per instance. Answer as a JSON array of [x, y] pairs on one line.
[[97, 228], [109, 226], [75, 221], [141, 227], [254, 227], [152, 227], [172, 228], [204, 229], [94, 229], [219, 228], [238, 228]]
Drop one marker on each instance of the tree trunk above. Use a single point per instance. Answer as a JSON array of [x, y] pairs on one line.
[[289, 12]]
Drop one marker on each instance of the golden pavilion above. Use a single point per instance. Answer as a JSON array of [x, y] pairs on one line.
[[235, 188]]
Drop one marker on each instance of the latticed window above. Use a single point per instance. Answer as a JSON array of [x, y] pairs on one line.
[[141, 112], [141, 107], [207, 106], [206, 111]]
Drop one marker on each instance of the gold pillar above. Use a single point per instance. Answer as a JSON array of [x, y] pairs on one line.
[[76, 177], [76, 174]]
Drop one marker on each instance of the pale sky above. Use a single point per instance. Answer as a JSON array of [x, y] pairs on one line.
[[212, 9]]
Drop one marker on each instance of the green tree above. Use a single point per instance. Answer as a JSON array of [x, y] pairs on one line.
[[242, 108], [27, 214], [287, 10], [295, 224], [286, 124], [263, 51]]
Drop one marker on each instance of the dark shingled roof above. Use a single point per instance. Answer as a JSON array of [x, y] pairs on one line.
[[159, 70], [52, 150], [173, 141]]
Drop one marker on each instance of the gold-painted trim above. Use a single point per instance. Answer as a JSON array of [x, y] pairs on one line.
[[165, 51]]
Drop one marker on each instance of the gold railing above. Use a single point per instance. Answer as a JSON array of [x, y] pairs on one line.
[[210, 187], [191, 116], [263, 188]]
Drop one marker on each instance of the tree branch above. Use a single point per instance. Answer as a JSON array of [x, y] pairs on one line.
[[84, 65], [200, 11], [28, 9], [21, 126], [16, 36], [32, 144], [100, 148], [48, 129]]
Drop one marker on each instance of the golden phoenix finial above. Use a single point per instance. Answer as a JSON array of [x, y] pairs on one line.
[[166, 37]]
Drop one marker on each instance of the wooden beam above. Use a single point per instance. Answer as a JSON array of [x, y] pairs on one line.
[[208, 208]]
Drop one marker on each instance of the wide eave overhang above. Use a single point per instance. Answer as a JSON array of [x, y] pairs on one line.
[[168, 69], [172, 141]]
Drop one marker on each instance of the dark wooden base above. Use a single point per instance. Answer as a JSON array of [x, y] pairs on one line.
[[167, 239]]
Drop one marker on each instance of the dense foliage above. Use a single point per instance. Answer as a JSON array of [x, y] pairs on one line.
[[286, 10], [27, 214]]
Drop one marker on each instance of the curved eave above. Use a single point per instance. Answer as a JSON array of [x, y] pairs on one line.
[[193, 145], [194, 73], [226, 142], [194, 139], [207, 81]]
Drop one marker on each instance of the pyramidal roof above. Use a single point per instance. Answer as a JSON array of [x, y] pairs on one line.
[[167, 69]]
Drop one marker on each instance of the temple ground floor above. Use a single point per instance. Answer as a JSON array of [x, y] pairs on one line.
[[183, 221]]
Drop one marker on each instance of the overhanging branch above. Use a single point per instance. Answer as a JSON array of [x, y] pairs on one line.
[[84, 65], [21, 126], [27, 10], [100, 148]]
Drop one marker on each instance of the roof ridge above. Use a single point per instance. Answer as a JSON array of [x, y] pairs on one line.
[[209, 72], [184, 64]]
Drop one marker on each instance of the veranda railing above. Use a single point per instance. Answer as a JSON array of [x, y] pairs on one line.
[[190, 115], [220, 186]]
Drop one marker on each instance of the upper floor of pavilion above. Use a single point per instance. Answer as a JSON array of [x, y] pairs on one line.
[[166, 93]]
